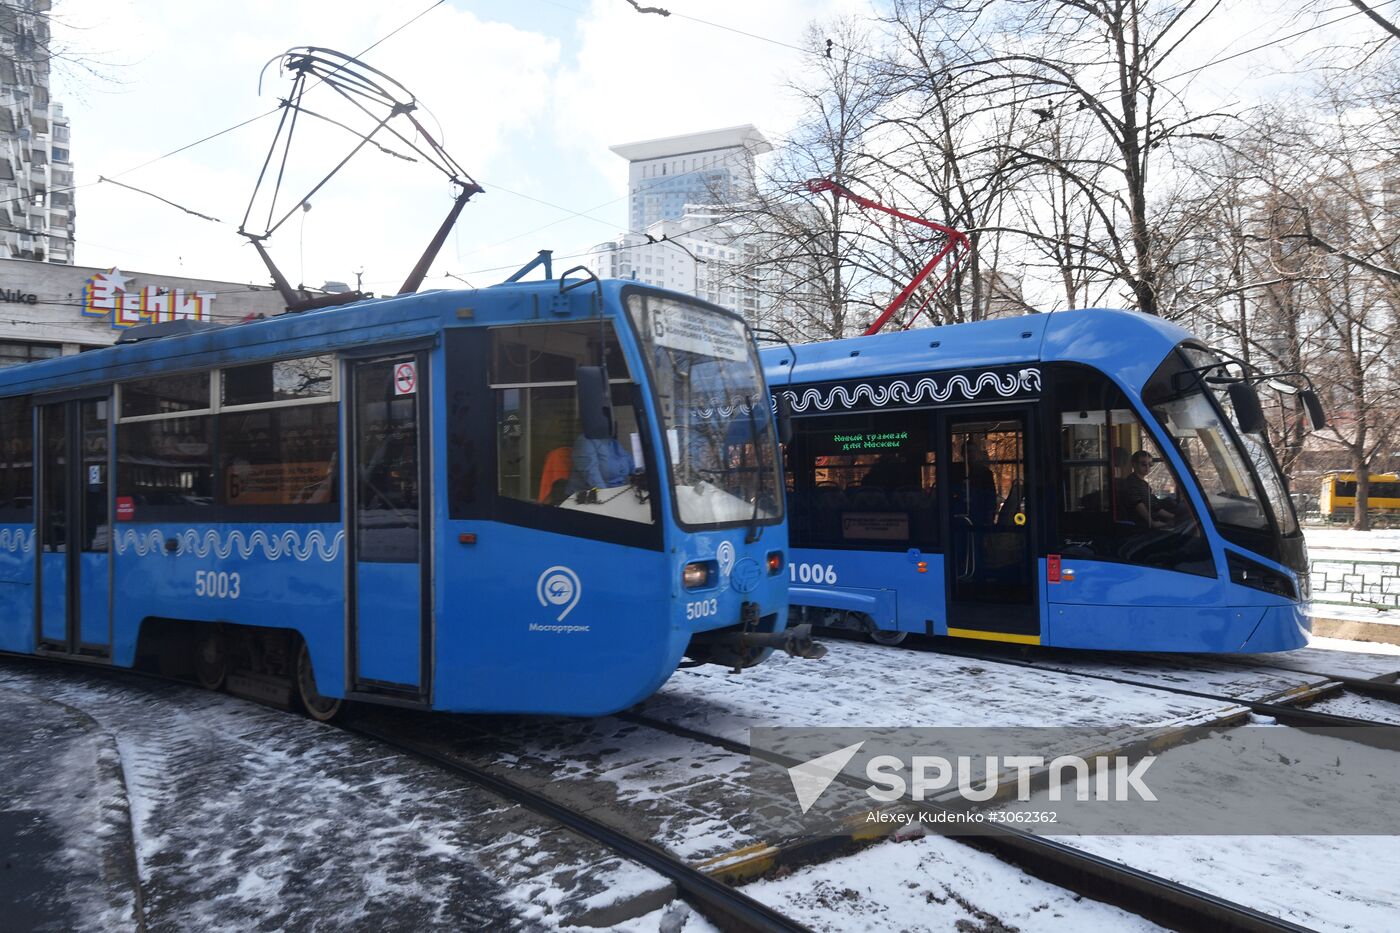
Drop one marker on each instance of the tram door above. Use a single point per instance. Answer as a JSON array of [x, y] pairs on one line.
[[74, 535], [990, 551], [390, 586]]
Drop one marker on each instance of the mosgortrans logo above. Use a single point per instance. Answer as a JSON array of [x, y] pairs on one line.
[[558, 586]]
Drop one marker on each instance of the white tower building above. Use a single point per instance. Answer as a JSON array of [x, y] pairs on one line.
[[678, 238], [36, 213], [666, 175]]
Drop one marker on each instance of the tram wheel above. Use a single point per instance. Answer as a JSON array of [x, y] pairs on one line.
[[319, 708], [211, 660], [887, 637]]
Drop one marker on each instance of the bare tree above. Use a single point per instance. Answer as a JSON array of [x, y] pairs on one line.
[[814, 261], [1110, 61]]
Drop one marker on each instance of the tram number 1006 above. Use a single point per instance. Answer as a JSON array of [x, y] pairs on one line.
[[216, 584], [812, 573]]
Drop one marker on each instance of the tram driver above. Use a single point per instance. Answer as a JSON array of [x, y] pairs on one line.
[[1140, 504], [599, 463]]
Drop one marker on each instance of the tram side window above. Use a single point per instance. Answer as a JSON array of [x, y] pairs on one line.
[[279, 436], [543, 455], [166, 466], [279, 457], [864, 481], [257, 442], [1119, 499], [16, 460]]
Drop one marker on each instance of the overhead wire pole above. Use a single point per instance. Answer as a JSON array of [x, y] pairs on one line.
[[368, 90], [954, 240]]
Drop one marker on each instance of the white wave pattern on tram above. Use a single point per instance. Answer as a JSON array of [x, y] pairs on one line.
[[272, 546], [923, 390], [17, 539]]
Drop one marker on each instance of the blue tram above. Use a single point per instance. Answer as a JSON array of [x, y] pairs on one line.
[[1075, 479], [534, 497]]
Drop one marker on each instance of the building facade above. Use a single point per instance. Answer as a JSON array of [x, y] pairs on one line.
[[678, 236], [36, 167], [49, 310], [665, 176]]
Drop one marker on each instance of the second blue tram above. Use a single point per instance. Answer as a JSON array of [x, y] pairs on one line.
[[1071, 479], [536, 497]]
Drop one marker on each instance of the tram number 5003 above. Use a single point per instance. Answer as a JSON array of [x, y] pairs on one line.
[[216, 584], [812, 573]]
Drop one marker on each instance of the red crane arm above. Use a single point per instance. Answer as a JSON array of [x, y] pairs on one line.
[[956, 240]]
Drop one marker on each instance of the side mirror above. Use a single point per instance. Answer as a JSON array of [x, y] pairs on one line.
[[1312, 408], [594, 402], [1249, 413], [783, 411]]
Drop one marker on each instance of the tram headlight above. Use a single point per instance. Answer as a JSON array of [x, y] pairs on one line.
[[697, 575], [775, 562]]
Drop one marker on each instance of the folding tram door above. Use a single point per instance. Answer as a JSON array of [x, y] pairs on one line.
[[388, 526], [73, 582], [990, 501]]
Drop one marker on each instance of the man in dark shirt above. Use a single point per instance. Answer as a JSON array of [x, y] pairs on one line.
[[1139, 504]]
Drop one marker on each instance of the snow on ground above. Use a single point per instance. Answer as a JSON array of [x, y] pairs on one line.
[[933, 883], [1351, 613], [866, 685], [65, 835], [1330, 540], [1326, 883], [1359, 707], [1355, 647], [1333, 656], [250, 818], [688, 797]]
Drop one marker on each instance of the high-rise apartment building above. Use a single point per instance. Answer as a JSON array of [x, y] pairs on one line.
[[679, 236], [36, 169], [665, 175]]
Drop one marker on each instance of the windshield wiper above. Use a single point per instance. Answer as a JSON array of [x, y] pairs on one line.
[[754, 532]]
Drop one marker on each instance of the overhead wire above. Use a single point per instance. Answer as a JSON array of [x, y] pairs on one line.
[[223, 132]]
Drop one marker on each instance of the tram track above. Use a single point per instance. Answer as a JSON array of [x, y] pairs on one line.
[[1287, 710], [1169, 903], [721, 904]]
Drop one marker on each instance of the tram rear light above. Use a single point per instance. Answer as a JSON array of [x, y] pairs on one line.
[[921, 566], [775, 562], [696, 575], [466, 537]]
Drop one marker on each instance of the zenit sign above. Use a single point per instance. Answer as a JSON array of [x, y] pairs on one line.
[[114, 296]]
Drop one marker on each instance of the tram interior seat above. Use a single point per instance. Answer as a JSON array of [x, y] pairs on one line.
[[554, 477]]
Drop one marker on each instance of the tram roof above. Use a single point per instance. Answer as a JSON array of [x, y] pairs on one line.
[[1127, 344], [367, 323]]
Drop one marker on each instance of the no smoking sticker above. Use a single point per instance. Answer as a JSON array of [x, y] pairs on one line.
[[405, 379]]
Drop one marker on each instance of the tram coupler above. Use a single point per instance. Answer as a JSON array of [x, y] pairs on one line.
[[795, 641]]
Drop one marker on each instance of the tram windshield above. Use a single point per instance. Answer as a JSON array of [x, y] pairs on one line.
[[1231, 468], [713, 410]]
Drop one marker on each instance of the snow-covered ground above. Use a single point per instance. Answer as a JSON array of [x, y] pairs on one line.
[[932, 883], [865, 685], [247, 817], [250, 818], [1326, 883], [1379, 541], [1348, 881]]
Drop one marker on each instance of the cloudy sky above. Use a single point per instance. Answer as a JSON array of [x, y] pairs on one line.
[[528, 95]]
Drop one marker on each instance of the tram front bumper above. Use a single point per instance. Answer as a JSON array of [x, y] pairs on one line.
[[749, 642]]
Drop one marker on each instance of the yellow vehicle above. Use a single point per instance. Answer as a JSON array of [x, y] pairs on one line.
[[1338, 499]]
